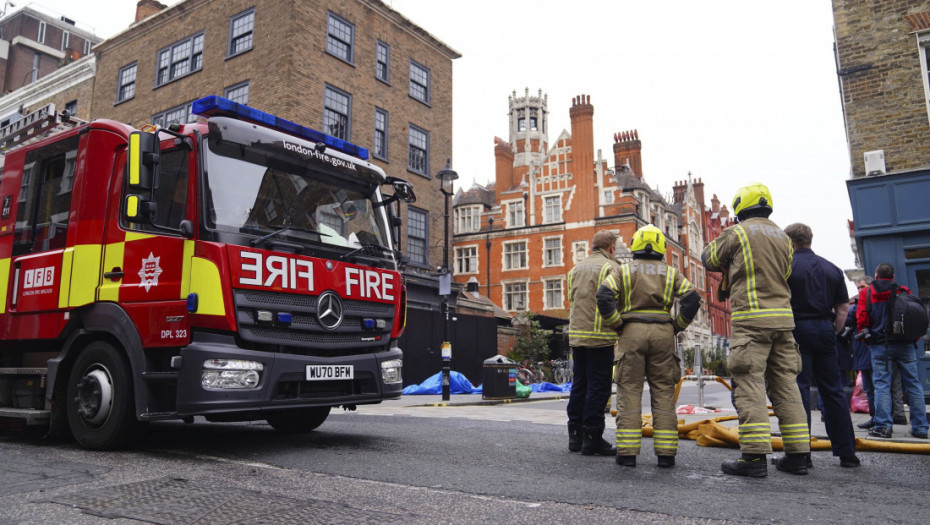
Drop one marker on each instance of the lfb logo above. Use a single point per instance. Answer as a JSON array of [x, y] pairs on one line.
[[39, 277]]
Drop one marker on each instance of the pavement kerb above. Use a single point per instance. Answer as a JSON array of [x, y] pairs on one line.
[[818, 429]]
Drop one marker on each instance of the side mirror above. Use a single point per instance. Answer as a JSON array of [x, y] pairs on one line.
[[404, 190], [142, 160], [138, 210]]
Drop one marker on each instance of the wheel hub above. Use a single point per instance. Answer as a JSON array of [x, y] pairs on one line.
[[94, 396]]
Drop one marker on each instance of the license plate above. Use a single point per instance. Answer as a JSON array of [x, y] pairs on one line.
[[330, 372]]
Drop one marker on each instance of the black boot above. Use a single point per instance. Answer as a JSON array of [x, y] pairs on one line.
[[626, 461], [594, 444], [867, 425], [749, 465], [574, 437], [666, 461], [792, 464]]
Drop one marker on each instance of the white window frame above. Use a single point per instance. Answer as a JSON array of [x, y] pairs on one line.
[[468, 252], [507, 257], [608, 196], [508, 295], [545, 252], [548, 207], [468, 218], [923, 47], [577, 255], [513, 208], [40, 38], [547, 305], [65, 40], [86, 47]]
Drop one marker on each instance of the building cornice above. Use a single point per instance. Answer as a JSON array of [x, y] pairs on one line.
[[63, 78]]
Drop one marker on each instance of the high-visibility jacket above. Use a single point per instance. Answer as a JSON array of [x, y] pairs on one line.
[[644, 290], [756, 254], [585, 325]]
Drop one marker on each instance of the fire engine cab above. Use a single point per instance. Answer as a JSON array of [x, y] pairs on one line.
[[238, 268]]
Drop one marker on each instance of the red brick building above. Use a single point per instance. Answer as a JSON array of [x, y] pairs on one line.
[[520, 235]]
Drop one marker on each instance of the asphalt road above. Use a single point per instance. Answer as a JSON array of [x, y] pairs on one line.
[[411, 464]]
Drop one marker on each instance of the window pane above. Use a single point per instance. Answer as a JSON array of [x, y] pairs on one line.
[[339, 38], [336, 114], [381, 66], [241, 33], [416, 236], [417, 159], [419, 82], [380, 145], [239, 93]]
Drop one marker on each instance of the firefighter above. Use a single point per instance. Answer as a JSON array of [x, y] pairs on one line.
[[637, 299], [592, 346], [764, 359]]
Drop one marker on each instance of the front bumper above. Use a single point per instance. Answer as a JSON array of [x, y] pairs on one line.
[[283, 381]]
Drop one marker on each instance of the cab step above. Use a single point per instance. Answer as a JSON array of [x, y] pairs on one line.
[[30, 415]]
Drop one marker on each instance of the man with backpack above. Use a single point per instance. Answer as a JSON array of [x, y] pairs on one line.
[[883, 324]]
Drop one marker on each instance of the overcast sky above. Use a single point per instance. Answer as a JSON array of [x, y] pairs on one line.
[[733, 91]]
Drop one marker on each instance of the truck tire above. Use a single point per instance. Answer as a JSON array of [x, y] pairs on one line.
[[298, 421], [100, 402]]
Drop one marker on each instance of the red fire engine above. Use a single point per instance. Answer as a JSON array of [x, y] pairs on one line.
[[239, 268]]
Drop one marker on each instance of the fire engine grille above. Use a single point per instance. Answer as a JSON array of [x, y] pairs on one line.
[[294, 387], [304, 331]]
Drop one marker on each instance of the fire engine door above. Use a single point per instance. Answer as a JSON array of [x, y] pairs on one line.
[[39, 241], [148, 265]]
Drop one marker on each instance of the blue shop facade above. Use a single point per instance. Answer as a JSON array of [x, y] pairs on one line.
[[891, 219]]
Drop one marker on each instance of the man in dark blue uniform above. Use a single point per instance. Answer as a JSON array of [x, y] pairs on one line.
[[820, 304]]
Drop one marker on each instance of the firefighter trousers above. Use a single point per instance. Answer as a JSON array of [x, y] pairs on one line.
[[764, 362], [647, 350]]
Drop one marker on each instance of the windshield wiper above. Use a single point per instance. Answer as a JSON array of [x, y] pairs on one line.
[[263, 238], [368, 248]]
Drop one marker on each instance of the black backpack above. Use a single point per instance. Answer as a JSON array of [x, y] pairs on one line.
[[906, 318]]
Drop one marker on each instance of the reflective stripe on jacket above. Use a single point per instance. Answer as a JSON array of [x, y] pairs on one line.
[[585, 325], [757, 255], [645, 290]]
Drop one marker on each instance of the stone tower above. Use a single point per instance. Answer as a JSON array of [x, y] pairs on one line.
[[529, 125]]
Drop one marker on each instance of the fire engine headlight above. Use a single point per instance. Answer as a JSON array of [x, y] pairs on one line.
[[230, 373], [390, 370]]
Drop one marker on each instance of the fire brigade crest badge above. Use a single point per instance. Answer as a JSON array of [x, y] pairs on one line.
[[150, 272]]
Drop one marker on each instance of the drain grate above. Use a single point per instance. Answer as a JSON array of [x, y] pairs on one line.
[[178, 501]]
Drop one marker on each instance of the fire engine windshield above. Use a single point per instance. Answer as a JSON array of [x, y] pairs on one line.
[[269, 185]]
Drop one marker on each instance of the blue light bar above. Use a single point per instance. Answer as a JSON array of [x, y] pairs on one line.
[[214, 106]]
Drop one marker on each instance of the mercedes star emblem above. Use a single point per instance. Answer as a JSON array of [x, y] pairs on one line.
[[329, 310]]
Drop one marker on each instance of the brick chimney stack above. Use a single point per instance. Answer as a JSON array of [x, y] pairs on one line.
[[627, 147], [714, 204], [699, 193], [585, 202], [147, 8], [503, 165], [678, 192]]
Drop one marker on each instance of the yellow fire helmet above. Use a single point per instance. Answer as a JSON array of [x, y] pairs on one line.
[[648, 239], [755, 195]]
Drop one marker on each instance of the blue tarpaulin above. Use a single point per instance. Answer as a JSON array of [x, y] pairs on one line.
[[458, 384], [550, 387]]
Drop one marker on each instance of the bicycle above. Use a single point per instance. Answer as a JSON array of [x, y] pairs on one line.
[[561, 373], [529, 372]]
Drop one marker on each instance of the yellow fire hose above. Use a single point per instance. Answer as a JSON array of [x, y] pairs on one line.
[[710, 433]]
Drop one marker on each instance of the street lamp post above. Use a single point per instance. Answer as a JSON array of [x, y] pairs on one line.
[[446, 179], [487, 244]]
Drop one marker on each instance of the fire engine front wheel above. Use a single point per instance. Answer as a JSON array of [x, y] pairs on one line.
[[299, 421], [101, 411]]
